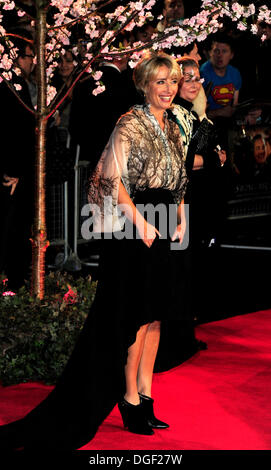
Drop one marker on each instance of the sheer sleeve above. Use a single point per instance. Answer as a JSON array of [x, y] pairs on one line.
[[103, 184]]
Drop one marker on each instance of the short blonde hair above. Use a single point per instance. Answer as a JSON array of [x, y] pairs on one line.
[[148, 68]]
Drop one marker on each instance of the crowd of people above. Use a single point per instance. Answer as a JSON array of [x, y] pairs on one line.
[[163, 141]]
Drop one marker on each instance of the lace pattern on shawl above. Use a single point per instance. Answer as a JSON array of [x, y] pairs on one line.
[[140, 155]]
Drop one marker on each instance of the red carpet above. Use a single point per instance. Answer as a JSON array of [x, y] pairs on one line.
[[217, 400]]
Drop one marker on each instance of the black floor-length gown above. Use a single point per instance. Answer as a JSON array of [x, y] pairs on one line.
[[93, 380], [137, 285]]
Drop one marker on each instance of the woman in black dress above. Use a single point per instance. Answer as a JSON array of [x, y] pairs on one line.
[[140, 180], [204, 160]]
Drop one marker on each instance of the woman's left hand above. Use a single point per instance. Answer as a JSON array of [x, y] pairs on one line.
[[179, 232]]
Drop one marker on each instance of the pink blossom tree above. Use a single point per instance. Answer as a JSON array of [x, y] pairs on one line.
[[52, 24]]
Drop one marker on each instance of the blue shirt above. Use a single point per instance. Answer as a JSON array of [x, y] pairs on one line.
[[223, 88]]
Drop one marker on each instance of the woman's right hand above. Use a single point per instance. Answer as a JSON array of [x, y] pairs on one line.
[[147, 232], [11, 182]]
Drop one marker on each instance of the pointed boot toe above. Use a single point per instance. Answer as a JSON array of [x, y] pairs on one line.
[[155, 423]]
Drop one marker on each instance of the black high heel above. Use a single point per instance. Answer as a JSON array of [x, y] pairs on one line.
[[134, 419], [155, 423]]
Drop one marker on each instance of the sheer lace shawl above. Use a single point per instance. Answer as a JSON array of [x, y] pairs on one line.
[[140, 155]]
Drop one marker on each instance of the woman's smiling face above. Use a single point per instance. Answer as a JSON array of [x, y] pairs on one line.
[[190, 83], [161, 90]]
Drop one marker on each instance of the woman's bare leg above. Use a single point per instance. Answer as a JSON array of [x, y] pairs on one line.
[[131, 368], [146, 364]]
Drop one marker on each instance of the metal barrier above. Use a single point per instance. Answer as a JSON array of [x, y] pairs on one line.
[[249, 218], [57, 222], [60, 199], [250, 200], [249, 207]]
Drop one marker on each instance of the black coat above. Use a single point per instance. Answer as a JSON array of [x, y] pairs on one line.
[[93, 118], [17, 130], [206, 189]]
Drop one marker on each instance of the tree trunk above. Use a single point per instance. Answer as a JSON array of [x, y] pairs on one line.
[[39, 239]]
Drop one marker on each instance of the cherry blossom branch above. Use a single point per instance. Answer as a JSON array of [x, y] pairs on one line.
[[15, 92], [195, 28], [98, 41], [82, 17], [30, 41], [53, 107], [76, 20], [97, 54], [148, 44]]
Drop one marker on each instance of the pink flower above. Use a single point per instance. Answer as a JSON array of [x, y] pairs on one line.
[[238, 9], [51, 92], [8, 293], [119, 10], [9, 6], [242, 26], [6, 62], [150, 4], [70, 297], [138, 6], [97, 75], [89, 69], [254, 29], [7, 75], [98, 90], [130, 26]]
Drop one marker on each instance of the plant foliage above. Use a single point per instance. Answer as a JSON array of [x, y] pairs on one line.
[[37, 336]]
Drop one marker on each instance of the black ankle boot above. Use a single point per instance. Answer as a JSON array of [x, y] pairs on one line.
[[134, 419], [155, 423]]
